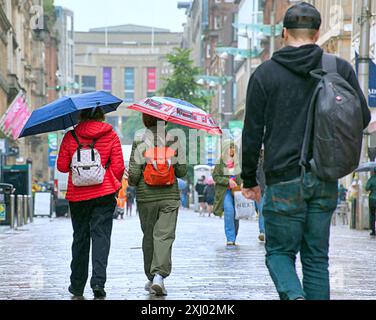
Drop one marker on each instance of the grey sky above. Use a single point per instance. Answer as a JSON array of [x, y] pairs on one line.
[[99, 13]]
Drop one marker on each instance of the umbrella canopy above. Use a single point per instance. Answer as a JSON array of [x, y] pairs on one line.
[[179, 112], [63, 113], [367, 166]]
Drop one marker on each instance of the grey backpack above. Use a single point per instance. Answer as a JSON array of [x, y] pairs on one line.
[[334, 125], [86, 165]]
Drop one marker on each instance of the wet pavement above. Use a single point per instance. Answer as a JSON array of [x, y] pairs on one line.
[[35, 262]]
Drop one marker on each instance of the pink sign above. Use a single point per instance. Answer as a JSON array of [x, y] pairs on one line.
[[152, 79], [20, 123], [14, 110]]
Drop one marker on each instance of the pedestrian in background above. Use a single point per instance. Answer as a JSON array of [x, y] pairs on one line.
[[371, 187], [227, 179], [92, 206], [298, 206], [209, 193], [260, 176], [131, 195], [200, 187], [158, 202], [121, 199]]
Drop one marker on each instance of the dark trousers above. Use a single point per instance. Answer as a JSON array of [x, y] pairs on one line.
[[372, 211], [91, 220]]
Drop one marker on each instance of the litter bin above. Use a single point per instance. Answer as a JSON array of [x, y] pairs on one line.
[[6, 190]]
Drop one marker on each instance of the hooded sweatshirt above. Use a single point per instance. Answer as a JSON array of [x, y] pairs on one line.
[[278, 98], [109, 148]]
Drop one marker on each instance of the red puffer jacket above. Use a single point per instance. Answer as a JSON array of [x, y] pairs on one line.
[[108, 146]]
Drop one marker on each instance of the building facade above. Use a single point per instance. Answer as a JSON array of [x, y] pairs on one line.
[[130, 61], [22, 68]]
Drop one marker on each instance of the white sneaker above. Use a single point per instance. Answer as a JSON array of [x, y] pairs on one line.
[[148, 287], [158, 286]]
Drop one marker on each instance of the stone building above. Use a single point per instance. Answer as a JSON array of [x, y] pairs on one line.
[[130, 61], [22, 68]]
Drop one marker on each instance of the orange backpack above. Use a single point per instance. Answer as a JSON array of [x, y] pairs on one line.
[[159, 170]]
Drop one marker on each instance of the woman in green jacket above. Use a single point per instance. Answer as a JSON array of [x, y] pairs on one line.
[[226, 175], [157, 205]]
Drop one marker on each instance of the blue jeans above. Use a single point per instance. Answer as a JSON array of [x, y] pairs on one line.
[[297, 218], [231, 224], [261, 222], [183, 199]]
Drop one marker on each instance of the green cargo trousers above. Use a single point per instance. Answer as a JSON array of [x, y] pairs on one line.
[[158, 223]]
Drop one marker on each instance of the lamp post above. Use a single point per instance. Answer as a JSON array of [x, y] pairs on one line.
[[363, 77]]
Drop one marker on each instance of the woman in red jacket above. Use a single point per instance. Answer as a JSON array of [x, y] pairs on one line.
[[92, 207]]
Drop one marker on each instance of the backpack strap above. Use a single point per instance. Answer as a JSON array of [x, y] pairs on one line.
[[329, 63], [79, 145]]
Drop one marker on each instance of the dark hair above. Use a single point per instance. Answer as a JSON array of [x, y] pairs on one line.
[[88, 114], [150, 121]]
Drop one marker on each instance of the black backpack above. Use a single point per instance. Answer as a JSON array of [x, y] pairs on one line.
[[334, 125]]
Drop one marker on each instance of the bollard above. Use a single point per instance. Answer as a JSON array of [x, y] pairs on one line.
[[19, 210], [12, 210], [31, 208], [25, 209]]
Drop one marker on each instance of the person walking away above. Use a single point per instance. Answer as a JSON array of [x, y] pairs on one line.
[[209, 193], [121, 199], [260, 176], [371, 187], [278, 99], [91, 205], [226, 176], [131, 192], [200, 187], [158, 198]]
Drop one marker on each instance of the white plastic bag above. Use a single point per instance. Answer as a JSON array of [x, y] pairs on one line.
[[244, 208]]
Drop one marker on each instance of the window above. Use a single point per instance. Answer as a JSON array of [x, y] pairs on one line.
[[107, 79], [89, 84], [217, 22], [151, 81], [129, 84]]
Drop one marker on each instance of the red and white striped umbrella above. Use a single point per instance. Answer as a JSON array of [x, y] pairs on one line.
[[179, 112]]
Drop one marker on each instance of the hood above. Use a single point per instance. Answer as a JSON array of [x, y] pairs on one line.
[[300, 60], [92, 129]]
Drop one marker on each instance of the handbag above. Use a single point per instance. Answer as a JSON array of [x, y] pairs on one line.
[[244, 208]]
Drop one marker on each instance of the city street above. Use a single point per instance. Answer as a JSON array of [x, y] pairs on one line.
[[35, 262]]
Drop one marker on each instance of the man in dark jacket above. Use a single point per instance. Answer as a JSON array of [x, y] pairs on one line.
[[297, 212]]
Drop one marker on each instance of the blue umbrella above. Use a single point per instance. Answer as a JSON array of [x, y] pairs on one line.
[[63, 113]]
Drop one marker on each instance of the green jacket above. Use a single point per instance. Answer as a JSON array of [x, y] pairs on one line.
[[221, 184], [371, 186], [145, 193]]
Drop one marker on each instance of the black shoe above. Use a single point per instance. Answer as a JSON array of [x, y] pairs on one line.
[[99, 293], [372, 233], [74, 292]]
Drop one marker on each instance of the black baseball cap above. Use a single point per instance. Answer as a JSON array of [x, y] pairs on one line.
[[293, 17]]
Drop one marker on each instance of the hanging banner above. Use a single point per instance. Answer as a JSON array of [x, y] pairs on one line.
[[107, 79], [152, 79], [12, 112], [52, 149], [15, 118]]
